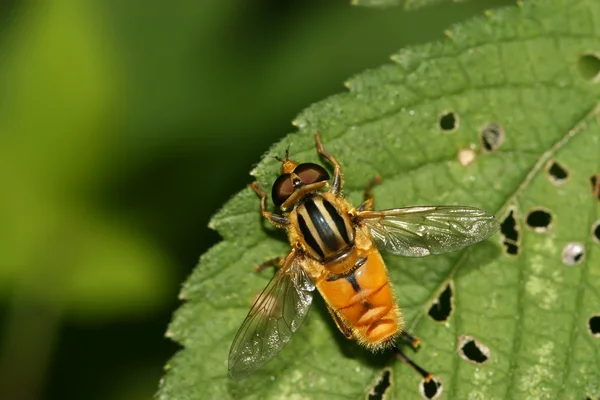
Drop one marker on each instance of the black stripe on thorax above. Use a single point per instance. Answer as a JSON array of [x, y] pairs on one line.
[[338, 220], [319, 221], [308, 237]]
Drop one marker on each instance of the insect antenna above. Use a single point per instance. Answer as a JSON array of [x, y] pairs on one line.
[[287, 155]]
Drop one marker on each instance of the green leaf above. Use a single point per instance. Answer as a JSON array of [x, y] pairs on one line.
[[407, 4], [59, 85], [516, 73]]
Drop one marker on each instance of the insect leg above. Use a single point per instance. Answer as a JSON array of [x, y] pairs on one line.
[[404, 358], [336, 181], [409, 339], [275, 219], [368, 197], [346, 331], [276, 262]]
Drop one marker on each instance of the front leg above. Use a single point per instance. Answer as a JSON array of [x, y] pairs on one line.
[[279, 221], [275, 262], [368, 197], [337, 180]]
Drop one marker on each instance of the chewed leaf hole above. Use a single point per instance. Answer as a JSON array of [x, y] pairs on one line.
[[492, 136], [510, 234], [472, 350], [573, 253], [448, 122], [431, 389], [539, 220], [380, 386], [442, 307], [557, 174], [595, 182], [589, 66], [596, 231], [594, 325]]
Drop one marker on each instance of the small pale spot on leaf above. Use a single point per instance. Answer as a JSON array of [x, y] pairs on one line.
[[466, 156], [540, 372], [573, 253]]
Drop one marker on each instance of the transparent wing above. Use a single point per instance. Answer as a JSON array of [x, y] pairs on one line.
[[275, 316], [421, 231]]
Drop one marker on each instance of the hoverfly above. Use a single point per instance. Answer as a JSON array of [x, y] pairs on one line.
[[334, 250]]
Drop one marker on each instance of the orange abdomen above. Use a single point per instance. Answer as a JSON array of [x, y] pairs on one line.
[[362, 298]]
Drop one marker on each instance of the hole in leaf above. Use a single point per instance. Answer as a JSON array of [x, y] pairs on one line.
[[539, 220], [573, 253], [441, 308], [472, 350], [557, 174], [466, 156], [511, 248], [595, 181], [596, 231], [594, 325], [431, 390], [492, 136], [448, 121], [381, 385], [510, 234], [589, 66]]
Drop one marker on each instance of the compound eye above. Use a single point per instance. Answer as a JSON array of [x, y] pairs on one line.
[[282, 189], [311, 173]]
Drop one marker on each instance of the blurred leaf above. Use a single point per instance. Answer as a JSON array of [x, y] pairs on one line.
[[407, 4], [517, 68], [115, 271], [59, 85], [212, 54]]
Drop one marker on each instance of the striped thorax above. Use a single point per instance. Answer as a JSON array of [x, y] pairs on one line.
[[326, 233]]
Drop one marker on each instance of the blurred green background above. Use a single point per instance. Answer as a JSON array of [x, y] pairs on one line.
[[124, 125]]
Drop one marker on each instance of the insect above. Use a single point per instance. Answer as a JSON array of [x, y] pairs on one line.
[[334, 250]]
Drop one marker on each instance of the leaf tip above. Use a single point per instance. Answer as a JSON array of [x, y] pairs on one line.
[[212, 225], [182, 295]]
